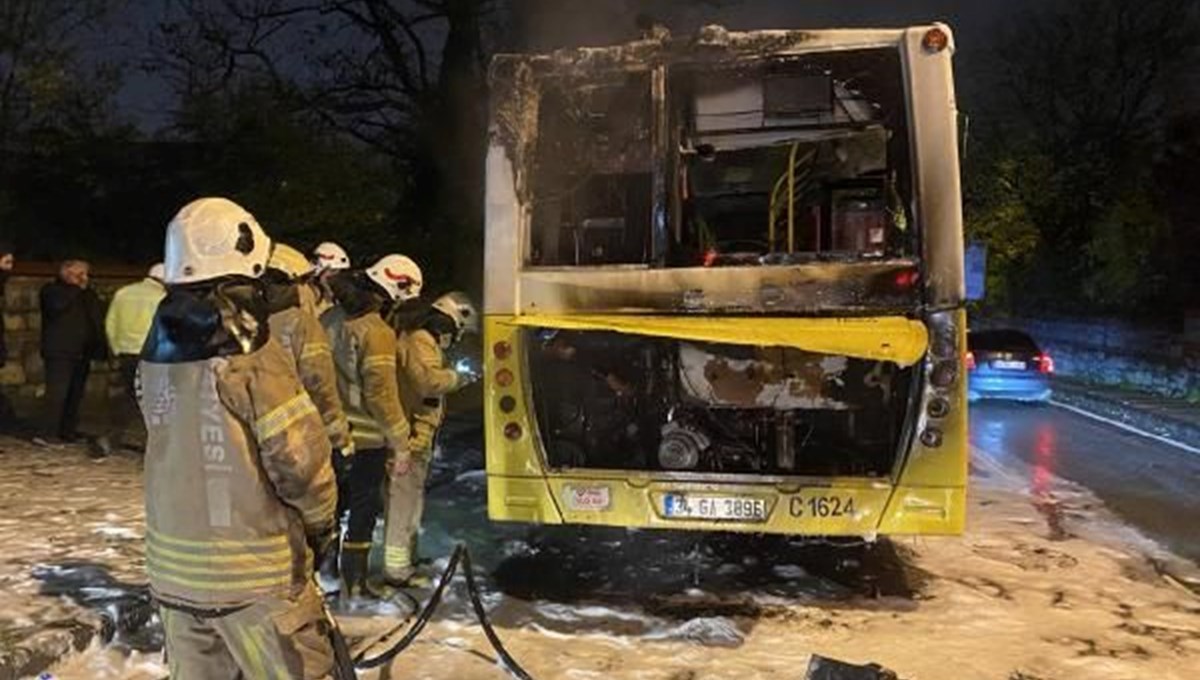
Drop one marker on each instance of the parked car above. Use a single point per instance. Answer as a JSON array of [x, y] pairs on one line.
[[1007, 364]]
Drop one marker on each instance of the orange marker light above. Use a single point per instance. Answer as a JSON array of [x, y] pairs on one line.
[[504, 377], [935, 40]]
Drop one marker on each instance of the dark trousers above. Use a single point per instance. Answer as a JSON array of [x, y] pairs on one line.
[[8, 416], [125, 417], [65, 383], [341, 472], [368, 470]]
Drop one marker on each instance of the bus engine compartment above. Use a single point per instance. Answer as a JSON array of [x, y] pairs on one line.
[[620, 401]]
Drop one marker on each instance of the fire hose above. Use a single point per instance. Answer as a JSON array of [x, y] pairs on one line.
[[461, 557]]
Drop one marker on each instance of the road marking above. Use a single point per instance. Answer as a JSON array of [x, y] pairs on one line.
[[1127, 427]]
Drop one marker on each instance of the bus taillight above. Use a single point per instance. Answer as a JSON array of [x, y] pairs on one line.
[[944, 374], [938, 407], [502, 350], [907, 278], [504, 377], [513, 431], [508, 404]]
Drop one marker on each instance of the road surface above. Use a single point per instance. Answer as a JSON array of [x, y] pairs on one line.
[[1052, 578], [1153, 486]]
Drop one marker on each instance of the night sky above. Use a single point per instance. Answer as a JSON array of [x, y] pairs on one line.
[[145, 99]]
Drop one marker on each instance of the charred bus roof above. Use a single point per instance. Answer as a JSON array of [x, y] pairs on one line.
[[712, 45]]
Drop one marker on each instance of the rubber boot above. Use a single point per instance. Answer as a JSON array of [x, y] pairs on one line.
[[354, 571]]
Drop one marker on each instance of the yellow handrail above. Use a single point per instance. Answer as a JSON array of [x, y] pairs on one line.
[[773, 209], [792, 198]]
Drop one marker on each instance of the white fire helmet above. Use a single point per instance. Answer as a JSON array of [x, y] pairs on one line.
[[211, 238], [290, 261], [399, 276], [157, 272], [461, 310], [330, 255]]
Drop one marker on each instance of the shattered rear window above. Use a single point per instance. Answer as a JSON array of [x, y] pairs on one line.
[[794, 159], [592, 171], [775, 160]]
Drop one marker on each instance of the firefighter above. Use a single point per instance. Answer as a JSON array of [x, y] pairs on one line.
[[328, 259], [424, 380], [364, 352], [240, 494], [293, 320]]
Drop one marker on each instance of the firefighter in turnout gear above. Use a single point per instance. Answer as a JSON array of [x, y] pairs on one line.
[[364, 351], [239, 490], [291, 304], [424, 378], [328, 259]]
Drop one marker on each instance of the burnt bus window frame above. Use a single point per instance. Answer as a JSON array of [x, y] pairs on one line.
[[556, 93], [889, 75]]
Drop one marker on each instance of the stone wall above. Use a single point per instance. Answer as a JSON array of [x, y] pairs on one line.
[[22, 378], [1118, 353]]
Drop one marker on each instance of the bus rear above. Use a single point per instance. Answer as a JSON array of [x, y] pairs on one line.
[[724, 285]]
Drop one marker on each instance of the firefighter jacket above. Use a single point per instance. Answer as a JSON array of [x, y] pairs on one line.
[[295, 326], [238, 480], [130, 314], [364, 353], [424, 381]]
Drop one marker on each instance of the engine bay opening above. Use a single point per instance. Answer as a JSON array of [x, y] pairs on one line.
[[618, 401]]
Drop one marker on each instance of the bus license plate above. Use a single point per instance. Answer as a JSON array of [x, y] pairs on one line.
[[690, 506], [1009, 365]]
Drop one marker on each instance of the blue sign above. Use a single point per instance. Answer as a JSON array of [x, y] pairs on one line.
[[975, 270]]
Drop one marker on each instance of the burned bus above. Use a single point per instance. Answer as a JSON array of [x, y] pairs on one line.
[[724, 285]]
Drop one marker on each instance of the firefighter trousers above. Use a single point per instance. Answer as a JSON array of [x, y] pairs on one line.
[[274, 638], [405, 506]]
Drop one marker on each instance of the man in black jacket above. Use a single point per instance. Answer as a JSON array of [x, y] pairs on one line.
[[72, 336]]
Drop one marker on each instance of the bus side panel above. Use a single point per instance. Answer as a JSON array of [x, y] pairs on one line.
[[517, 489], [926, 511], [521, 499], [934, 115], [930, 496], [507, 455]]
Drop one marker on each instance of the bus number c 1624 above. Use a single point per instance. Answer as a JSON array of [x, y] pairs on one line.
[[821, 506]]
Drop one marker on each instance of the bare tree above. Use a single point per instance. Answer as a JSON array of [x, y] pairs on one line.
[[41, 81], [405, 78]]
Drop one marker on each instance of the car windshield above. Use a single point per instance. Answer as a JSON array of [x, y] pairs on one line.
[[1001, 341]]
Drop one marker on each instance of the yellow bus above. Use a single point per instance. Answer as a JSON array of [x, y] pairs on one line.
[[724, 284]]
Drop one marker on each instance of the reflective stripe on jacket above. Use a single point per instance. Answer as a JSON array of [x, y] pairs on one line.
[[237, 478], [364, 353], [303, 336], [130, 314], [424, 380]]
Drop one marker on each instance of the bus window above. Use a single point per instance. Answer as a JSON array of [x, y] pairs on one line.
[[591, 181], [794, 159]]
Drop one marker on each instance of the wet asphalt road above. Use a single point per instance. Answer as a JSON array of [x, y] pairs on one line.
[[1152, 486]]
